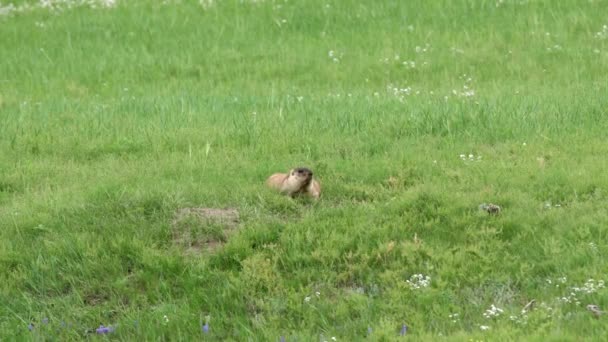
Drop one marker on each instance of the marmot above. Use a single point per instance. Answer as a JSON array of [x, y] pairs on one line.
[[297, 181], [490, 208]]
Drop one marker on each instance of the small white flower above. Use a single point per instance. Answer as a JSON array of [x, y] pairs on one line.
[[593, 246], [334, 56], [603, 33], [307, 299], [410, 64], [484, 327], [453, 317], [492, 312], [418, 281]]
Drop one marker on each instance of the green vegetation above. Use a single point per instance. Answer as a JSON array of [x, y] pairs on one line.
[[410, 113]]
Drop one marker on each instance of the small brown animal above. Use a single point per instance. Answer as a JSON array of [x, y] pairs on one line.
[[595, 310], [298, 181], [528, 306], [490, 208]]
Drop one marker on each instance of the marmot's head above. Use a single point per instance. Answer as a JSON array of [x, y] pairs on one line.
[[302, 174]]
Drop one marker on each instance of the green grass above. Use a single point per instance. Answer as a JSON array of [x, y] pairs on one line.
[[113, 119]]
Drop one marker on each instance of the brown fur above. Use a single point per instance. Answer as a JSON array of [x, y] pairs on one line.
[[298, 181]]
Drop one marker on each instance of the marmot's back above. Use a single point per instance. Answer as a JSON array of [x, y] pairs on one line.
[[276, 181]]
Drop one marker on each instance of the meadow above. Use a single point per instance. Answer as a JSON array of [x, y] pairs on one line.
[[115, 115]]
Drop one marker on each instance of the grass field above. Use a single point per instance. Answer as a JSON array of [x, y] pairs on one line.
[[114, 115]]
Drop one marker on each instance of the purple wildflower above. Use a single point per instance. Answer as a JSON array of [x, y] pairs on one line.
[[403, 330], [369, 330], [45, 321], [104, 330], [30, 327], [282, 338], [206, 327]]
